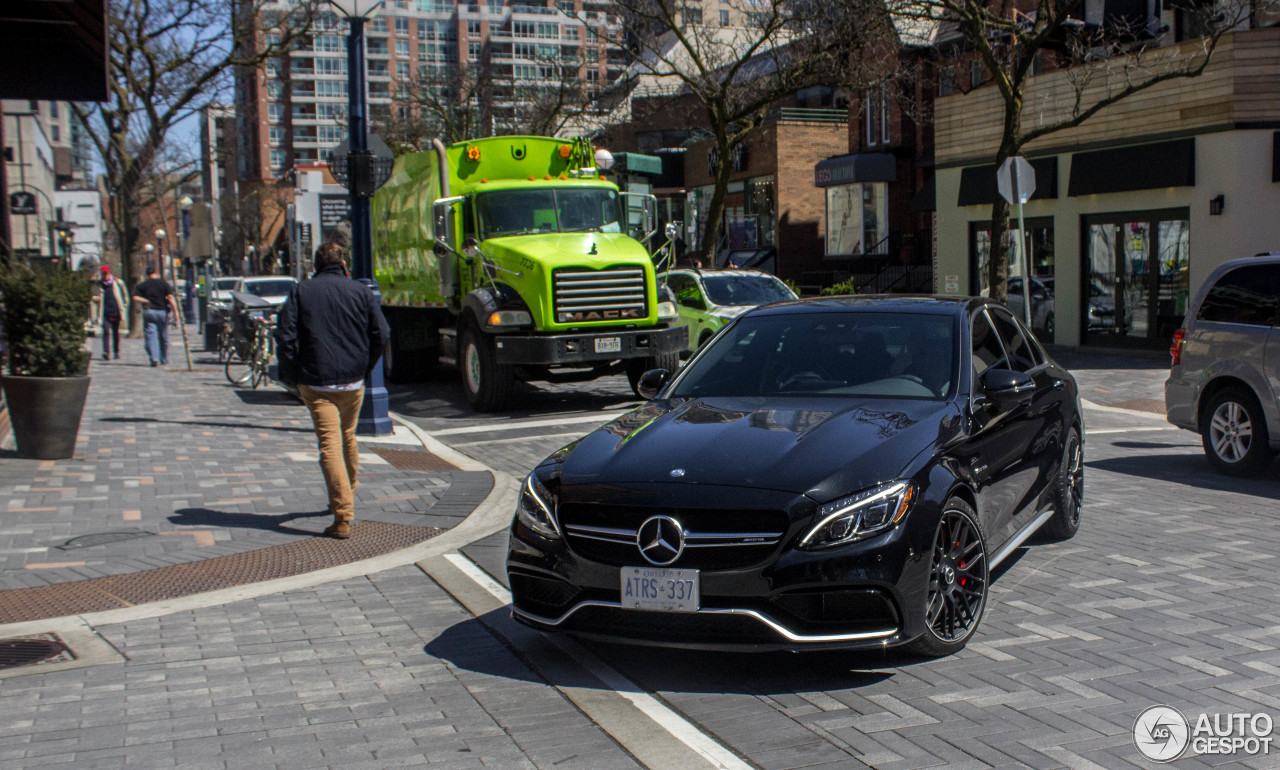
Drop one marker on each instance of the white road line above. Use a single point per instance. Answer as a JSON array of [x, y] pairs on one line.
[[546, 437], [599, 417], [1094, 432], [678, 726]]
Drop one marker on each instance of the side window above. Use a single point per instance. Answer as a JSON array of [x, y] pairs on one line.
[[1246, 295], [987, 352], [681, 286], [1022, 355]]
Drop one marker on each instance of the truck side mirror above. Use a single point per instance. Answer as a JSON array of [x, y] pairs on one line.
[[443, 219]]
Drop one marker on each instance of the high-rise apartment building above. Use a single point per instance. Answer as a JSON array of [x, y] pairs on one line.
[[293, 110]]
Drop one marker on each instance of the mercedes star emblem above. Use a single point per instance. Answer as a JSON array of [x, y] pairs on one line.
[[660, 539]]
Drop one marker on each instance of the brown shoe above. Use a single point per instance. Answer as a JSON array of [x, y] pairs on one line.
[[339, 530]]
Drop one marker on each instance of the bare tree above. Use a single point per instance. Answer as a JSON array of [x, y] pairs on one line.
[[442, 101], [759, 53], [1105, 63], [166, 60]]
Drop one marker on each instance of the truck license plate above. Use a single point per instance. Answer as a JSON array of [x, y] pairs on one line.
[[608, 344], [667, 590]]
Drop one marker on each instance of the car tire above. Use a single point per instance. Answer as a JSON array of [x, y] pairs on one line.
[[702, 340], [953, 607], [1233, 432], [1068, 491], [637, 367], [486, 383]]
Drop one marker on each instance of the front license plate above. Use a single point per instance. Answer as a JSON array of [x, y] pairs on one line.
[[654, 588], [608, 344]]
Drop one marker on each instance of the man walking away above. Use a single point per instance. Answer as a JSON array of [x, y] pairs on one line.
[[157, 295], [113, 308], [330, 334]]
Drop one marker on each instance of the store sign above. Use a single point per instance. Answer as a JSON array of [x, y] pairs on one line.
[[335, 211], [22, 203]]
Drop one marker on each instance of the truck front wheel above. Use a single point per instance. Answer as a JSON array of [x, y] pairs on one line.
[[637, 367], [486, 382]]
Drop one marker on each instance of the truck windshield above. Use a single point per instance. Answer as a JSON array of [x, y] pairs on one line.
[[547, 210]]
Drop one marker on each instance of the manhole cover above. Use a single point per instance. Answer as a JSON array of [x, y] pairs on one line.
[[413, 460], [103, 538], [43, 648]]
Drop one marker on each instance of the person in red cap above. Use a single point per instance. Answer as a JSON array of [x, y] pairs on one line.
[[113, 309]]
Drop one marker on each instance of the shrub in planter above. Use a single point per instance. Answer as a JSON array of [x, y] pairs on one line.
[[48, 365]]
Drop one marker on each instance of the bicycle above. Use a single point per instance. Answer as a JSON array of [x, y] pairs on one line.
[[224, 342], [251, 367]]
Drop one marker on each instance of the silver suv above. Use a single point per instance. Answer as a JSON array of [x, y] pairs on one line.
[[1225, 380]]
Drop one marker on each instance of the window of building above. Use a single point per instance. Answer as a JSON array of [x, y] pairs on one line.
[[977, 73], [427, 6], [332, 66], [277, 160], [402, 48], [876, 116], [724, 18], [55, 134], [402, 25], [275, 89], [570, 32], [53, 109], [402, 70], [548, 30], [330, 111], [473, 51], [379, 24], [857, 219], [330, 134], [331, 43], [275, 135], [946, 81], [331, 88], [275, 113], [692, 14], [523, 29], [376, 47], [473, 28], [524, 71]]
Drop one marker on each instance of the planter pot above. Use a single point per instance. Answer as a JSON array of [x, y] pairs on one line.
[[45, 414]]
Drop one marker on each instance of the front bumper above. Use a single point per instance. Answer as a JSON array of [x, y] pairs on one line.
[[570, 349], [856, 596]]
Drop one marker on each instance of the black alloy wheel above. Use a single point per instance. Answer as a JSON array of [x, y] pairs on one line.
[[957, 592], [1068, 492]]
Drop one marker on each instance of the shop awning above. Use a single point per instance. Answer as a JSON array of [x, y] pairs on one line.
[[637, 163], [978, 183], [854, 168], [1138, 167]]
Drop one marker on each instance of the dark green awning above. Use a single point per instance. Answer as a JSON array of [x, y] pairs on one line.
[[636, 163]]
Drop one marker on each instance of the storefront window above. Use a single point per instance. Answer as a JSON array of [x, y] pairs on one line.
[[1039, 244], [856, 219], [1136, 273]]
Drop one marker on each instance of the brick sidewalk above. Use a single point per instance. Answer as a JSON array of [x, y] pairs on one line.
[[174, 466]]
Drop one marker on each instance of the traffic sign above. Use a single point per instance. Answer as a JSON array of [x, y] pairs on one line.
[[1016, 180]]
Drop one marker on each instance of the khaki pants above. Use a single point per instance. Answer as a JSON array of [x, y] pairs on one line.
[[334, 414]]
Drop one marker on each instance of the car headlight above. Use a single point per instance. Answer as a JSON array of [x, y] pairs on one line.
[[667, 311], [535, 508], [860, 515]]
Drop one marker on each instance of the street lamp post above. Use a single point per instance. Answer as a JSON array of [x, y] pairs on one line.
[[188, 269], [374, 419]]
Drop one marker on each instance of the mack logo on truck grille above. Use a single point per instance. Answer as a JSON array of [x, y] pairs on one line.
[[599, 315], [612, 294]]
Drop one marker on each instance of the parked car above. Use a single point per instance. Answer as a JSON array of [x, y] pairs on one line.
[[273, 288], [220, 292], [1225, 379], [829, 473], [709, 299], [1042, 319]]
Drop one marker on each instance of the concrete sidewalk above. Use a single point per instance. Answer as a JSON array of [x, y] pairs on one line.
[[175, 467]]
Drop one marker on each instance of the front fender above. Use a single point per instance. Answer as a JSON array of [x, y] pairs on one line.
[[485, 300]]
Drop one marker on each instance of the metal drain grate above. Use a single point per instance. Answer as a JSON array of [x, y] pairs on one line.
[[1153, 405], [412, 460], [27, 651], [104, 538]]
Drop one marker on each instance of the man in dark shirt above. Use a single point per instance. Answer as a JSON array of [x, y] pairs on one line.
[[330, 335], [158, 299]]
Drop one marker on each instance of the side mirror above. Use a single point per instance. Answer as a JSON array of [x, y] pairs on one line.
[[673, 230], [693, 302], [652, 382], [1006, 390], [471, 247], [442, 218]]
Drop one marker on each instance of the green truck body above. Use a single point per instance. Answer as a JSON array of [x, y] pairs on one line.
[[509, 256]]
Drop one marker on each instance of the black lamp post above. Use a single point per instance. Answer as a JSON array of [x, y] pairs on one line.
[[360, 181]]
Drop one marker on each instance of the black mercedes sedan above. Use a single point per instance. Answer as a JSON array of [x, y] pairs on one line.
[[841, 472]]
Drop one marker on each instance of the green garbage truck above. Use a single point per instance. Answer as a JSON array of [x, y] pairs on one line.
[[516, 260]]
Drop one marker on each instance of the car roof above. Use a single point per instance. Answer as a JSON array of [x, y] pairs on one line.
[[904, 303], [261, 278], [702, 271]]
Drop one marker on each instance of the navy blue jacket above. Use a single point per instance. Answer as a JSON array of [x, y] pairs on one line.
[[330, 331]]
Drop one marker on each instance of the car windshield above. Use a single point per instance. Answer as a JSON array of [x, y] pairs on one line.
[[268, 288], [738, 289], [548, 210], [226, 284], [856, 354]]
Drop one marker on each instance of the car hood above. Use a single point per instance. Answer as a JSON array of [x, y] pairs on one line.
[[821, 447]]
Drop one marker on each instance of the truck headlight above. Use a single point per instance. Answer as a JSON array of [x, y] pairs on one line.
[[535, 508], [860, 515], [667, 311], [510, 318]]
